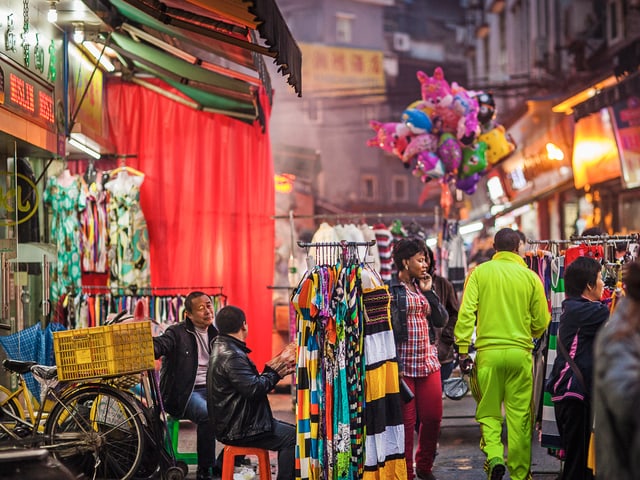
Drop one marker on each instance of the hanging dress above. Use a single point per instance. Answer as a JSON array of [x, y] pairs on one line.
[[128, 236], [94, 221], [65, 202], [384, 449]]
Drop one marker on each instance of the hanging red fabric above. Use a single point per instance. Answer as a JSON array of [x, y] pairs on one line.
[[583, 250], [208, 198]]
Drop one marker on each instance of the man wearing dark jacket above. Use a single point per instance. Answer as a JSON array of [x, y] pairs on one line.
[[185, 349], [444, 338], [237, 393]]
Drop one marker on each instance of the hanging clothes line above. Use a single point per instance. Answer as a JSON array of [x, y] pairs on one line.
[[143, 290], [343, 243], [338, 216], [633, 237]]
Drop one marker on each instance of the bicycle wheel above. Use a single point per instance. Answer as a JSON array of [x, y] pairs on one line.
[[11, 405], [96, 428]]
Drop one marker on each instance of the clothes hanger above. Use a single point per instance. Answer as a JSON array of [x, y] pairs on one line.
[[125, 168]]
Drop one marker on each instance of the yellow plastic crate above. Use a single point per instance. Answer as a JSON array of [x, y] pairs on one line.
[[111, 350]]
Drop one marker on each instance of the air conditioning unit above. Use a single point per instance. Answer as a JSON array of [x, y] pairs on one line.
[[401, 42]]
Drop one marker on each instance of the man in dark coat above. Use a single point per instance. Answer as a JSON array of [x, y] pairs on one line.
[[237, 393], [184, 348]]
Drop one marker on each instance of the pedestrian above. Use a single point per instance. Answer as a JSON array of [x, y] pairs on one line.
[[237, 393], [616, 394], [414, 305], [504, 301], [444, 338], [571, 380], [184, 348]]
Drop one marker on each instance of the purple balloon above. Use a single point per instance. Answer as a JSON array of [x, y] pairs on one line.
[[468, 184], [450, 152]]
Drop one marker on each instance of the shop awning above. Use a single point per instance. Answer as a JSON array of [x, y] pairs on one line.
[[209, 53]]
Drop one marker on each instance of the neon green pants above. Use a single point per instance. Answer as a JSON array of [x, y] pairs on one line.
[[505, 377]]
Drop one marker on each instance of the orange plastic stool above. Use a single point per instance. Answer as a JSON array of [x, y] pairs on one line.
[[230, 454]]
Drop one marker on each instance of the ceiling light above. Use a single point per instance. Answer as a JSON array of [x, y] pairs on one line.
[[52, 14], [78, 32], [99, 56], [85, 148]]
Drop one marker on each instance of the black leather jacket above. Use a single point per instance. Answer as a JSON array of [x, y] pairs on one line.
[[237, 394], [438, 317], [179, 347]]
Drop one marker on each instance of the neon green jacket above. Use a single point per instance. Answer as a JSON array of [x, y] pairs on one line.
[[509, 302]]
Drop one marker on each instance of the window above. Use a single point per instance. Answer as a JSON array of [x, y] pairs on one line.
[[399, 188], [615, 22], [369, 188], [344, 27], [313, 112]]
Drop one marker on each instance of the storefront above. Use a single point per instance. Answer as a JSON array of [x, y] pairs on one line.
[[31, 134], [189, 115]]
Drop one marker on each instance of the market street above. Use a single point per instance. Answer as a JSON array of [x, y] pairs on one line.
[[459, 457]]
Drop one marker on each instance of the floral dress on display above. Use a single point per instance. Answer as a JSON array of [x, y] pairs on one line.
[[128, 236], [65, 202]]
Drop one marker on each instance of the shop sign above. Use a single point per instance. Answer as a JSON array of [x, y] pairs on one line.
[[336, 71], [27, 46], [626, 117], [86, 86], [15, 204], [26, 95], [595, 153]]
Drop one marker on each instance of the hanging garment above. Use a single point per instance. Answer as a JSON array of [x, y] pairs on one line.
[[384, 448], [94, 222], [128, 236], [550, 436], [384, 240], [65, 201], [369, 235]]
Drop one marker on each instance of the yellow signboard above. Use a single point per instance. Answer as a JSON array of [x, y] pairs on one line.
[[337, 71], [595, 153]]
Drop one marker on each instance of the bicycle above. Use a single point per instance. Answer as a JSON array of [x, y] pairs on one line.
[[93, 428]]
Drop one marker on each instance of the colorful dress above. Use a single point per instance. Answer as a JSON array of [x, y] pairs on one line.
[[128, 237], [65, 203], [95, 231]]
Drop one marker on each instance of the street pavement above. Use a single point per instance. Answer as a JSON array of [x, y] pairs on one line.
[[459, 456]]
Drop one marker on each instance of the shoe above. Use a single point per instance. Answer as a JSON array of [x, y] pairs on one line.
[[425, 475], [495, 468], [203, 474]]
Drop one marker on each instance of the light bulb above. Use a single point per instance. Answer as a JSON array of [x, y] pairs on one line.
[[52, 14], [78, 34]]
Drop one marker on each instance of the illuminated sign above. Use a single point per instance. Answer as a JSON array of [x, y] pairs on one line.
[[26, 95]]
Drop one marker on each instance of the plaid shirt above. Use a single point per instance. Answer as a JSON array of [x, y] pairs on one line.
[[418, 357]]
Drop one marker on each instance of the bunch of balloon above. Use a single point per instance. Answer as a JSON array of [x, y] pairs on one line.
[[449, 135]]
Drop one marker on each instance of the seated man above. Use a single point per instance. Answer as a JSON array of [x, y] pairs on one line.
[[237, 393], [185, 348]]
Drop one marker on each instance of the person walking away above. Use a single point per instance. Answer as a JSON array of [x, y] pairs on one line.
[[616, 393], [505, 302], [443, 337], [571, 379], [414, 305], [184, 348], [237, 393]]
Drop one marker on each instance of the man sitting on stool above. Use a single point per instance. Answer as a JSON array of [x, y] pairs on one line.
[[237, 394], [185, 348]]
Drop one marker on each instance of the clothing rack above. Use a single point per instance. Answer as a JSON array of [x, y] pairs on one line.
[[608, 239], [338, 216], [348, 250], [141, 291]]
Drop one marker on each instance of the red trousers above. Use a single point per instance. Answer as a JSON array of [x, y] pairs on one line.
[[427, 408]]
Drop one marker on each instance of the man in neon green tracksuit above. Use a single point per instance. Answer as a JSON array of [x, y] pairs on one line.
[[505, 301]]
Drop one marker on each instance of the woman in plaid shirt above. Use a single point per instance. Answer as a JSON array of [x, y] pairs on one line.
[[414, 306]]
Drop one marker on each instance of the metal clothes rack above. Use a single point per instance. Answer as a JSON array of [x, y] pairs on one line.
[[348, 250], [338, 216], [145, 291]]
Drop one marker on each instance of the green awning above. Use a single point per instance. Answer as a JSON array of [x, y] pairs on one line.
[[185, 72]]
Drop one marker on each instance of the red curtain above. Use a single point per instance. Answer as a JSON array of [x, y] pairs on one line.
[[208, 198]]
